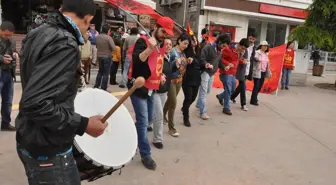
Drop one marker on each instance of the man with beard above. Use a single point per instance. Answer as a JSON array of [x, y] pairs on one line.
[[141, 98], [47, 123]]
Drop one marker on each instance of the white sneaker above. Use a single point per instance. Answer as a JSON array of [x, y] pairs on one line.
[[244, 108], [174, 133]]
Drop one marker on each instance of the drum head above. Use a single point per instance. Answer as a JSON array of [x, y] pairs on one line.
[[117, 146]]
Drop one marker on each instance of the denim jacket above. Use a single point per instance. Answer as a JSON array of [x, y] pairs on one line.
[[177, 71]]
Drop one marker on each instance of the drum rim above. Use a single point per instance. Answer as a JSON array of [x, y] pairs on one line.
[[96, 163]]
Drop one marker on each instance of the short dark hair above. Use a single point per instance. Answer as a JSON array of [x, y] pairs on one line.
[[223, 39], [289, 43], [134, 31], [252, 33], [6, 25], [106, 28], [206, 25], [182, 38], [80, 7], [244, 42], [117, 42]]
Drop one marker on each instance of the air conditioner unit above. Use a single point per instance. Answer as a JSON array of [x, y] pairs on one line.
[[170, 2]]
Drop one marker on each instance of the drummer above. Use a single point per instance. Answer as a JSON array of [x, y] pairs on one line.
[[141, 98], [46, 123]]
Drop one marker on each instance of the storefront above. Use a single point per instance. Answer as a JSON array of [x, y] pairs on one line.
[[271, 22], [27, 14]]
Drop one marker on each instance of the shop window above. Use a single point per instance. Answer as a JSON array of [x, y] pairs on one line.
[[255, 26], [276, 34]]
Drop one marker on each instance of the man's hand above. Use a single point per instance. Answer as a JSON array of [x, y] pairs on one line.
[[245, 61], [190, 60], [227, 68], [163, 79], [231, 65], [152, 42], [209, 66], [7, 59], [178, 62], [16, 55], [95, 127]]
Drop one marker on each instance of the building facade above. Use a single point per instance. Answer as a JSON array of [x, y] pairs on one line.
[[271, 20]]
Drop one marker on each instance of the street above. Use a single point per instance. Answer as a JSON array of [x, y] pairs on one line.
[[287, 140]]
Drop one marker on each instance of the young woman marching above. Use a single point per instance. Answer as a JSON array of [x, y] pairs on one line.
[[288, 66], [179, 62], [192, 77], [261, 70], [159, 99]]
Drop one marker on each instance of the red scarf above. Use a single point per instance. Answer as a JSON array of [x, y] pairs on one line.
[[155, 62], [289, 59]]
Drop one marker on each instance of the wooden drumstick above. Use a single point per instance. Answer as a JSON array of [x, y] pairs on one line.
[[138, 83]]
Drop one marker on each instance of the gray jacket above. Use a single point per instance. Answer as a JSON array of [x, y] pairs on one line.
[[209, 55]]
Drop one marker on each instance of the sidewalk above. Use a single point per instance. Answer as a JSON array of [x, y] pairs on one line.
[[287, 140]]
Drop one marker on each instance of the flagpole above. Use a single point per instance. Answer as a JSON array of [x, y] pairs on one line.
[[142, 27]]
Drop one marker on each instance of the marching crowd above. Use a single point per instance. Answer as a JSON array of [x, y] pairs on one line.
[[187, 66]]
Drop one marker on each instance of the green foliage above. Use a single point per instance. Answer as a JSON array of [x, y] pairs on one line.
[[319, 28]]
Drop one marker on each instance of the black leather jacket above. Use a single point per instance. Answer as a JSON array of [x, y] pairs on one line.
[[46, 123]]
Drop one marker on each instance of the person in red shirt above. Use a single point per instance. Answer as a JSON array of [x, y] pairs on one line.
[[288, 66], [232, 56]]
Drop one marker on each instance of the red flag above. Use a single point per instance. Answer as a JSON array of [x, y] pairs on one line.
[[134, 7], [189, 30], [155, 62], [276, 57]]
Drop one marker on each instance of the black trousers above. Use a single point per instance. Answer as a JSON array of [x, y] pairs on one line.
[[190, 94], [258, 83], [113, 72], [241, 89]]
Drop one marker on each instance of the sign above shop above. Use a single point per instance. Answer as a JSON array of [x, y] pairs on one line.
[[283, 11]]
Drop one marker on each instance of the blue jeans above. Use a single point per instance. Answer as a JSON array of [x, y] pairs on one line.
[[204, 90], [125, 71], [59, 170], [285, 77], [103, 72], [7, 91], [229, 83], [143, 109]]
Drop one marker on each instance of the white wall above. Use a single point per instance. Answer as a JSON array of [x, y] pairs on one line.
[[301, 4], [226, 19]]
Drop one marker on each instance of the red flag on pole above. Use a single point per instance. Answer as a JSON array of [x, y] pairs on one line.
[[189, 30], [134, 7]]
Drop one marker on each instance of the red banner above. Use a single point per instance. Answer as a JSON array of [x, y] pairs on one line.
[[134, 7], [155, 62], [276, 57]]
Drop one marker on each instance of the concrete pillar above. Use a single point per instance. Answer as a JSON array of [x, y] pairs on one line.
[[263, 31]]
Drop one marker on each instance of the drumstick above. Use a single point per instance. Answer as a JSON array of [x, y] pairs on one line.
[[139, 82]]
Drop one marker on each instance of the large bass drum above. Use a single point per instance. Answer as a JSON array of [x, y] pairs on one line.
[[115, 148]]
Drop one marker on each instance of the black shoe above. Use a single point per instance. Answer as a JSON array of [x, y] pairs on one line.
[[233, 101], [150, 129], [149, 163], [158, 145], [114, 83], [122, 86], [286, 88], [282, 88], [255, 104], [227, 112], [9, 128], [187, 123], [219, 100]]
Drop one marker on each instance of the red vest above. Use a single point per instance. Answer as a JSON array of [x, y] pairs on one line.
[[289, 59], [155, 62]]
